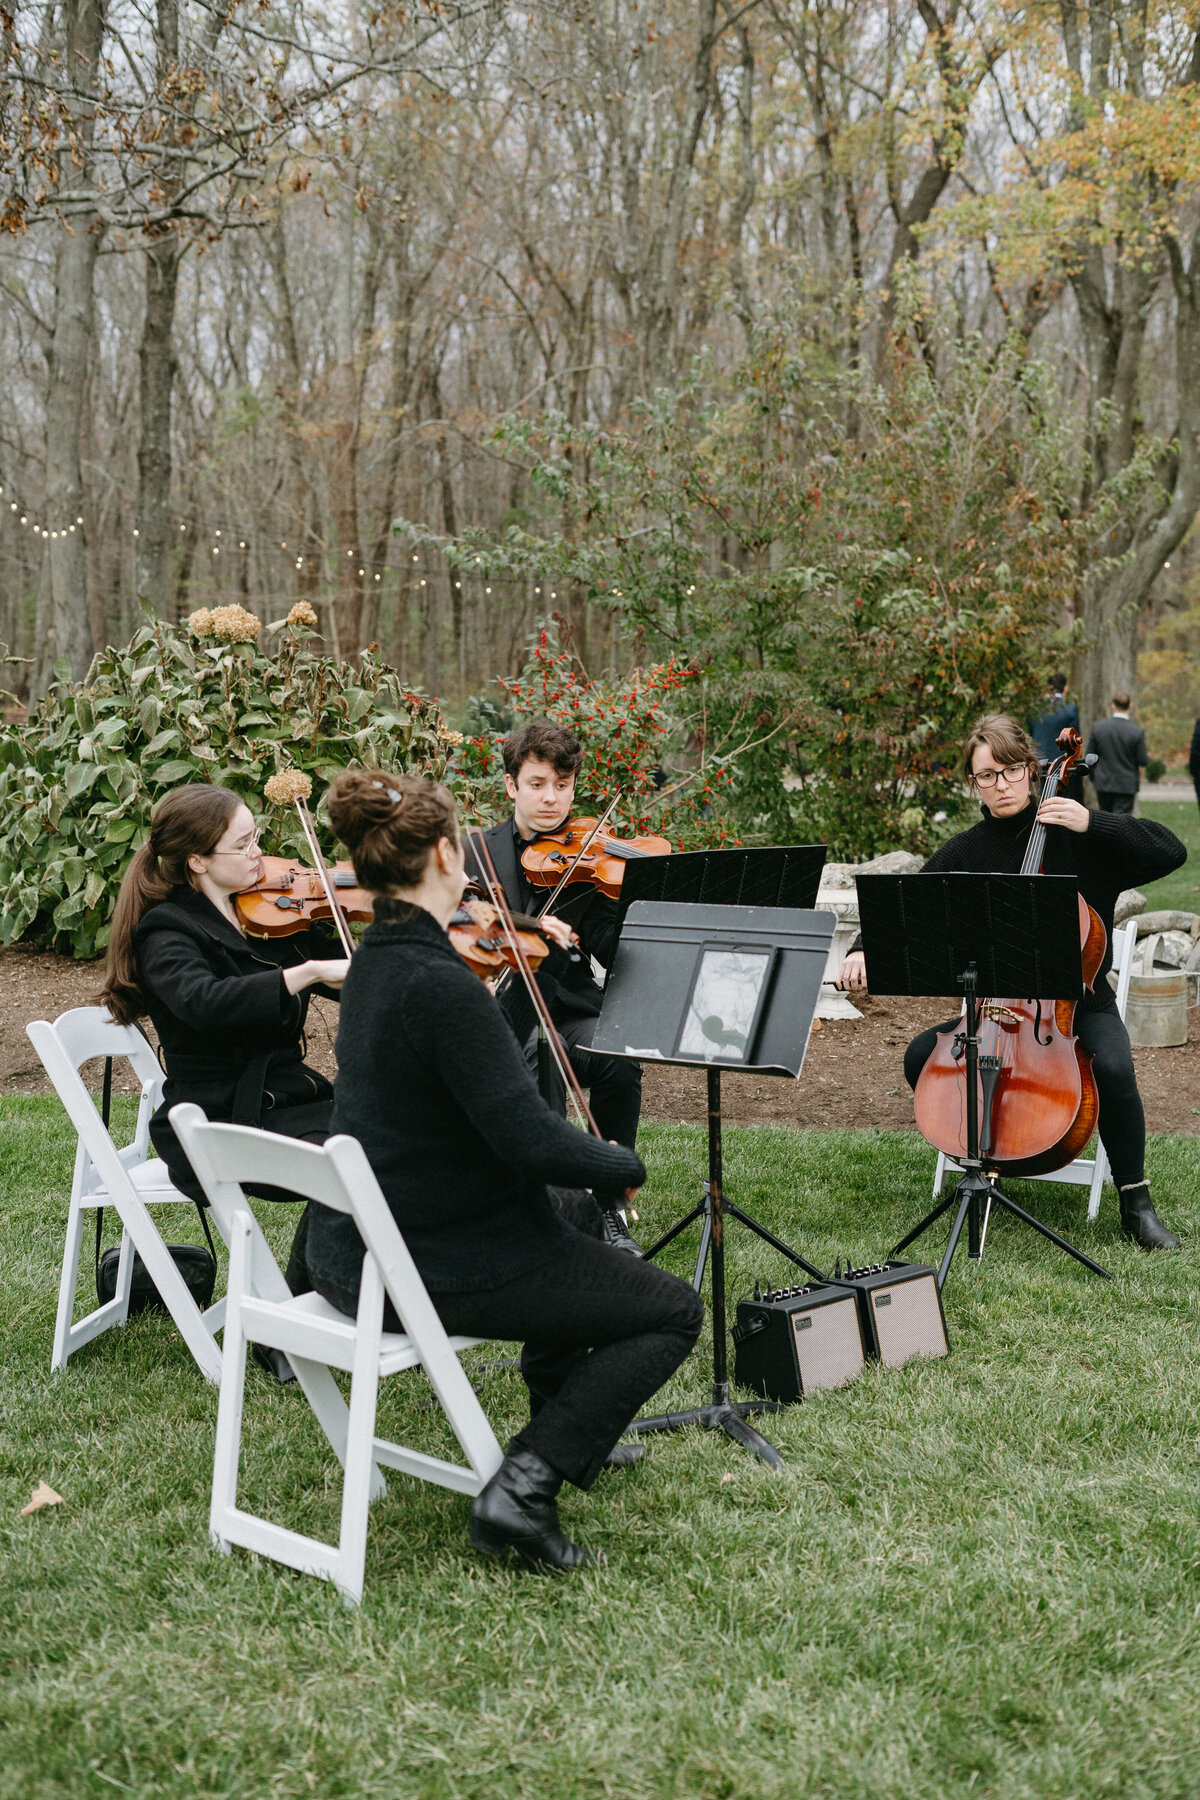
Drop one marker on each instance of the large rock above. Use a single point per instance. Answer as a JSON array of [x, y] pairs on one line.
[[1129, 905], [1187, 922], [893, 862]]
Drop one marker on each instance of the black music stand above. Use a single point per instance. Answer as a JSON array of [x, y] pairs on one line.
[[777, 875], [989, 936], [717, 987]]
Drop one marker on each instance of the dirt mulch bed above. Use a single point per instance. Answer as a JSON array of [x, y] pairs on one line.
[[853, 1075]]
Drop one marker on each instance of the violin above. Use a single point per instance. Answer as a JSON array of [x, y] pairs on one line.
[[482, 939], [1037, 1102], [556, 855], [288, 898]]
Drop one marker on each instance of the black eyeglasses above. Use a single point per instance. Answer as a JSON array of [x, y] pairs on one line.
[[1014, 773]]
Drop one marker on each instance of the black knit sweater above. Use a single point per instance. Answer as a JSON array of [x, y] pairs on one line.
[[1116, 852], [433, 1083]]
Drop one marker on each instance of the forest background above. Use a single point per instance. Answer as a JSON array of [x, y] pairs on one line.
[[839, 358]]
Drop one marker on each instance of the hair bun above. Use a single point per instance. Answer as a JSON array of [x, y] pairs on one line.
[[389, 823]]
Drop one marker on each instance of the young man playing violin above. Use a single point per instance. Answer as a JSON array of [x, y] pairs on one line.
[[541, 765], [1106, 853]]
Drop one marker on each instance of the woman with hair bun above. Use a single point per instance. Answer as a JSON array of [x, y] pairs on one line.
[[229, 1010], [435, 1086]]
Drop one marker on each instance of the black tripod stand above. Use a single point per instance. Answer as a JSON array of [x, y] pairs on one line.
[[711, 987], [723, 1414], [977, 1192], [1004, 934]]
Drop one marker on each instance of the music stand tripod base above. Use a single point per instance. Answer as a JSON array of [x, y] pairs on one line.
[[988, 935], [647, 998]]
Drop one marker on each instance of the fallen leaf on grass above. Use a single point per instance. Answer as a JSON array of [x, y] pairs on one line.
[[726, 1478], [42, 1495]]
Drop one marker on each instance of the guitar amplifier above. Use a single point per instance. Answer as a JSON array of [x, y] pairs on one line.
[[900, 1310], [792, 1340]]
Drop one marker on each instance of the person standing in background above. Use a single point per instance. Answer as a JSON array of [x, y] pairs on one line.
[[1194, 760], [1120, 746], [1058, 714]]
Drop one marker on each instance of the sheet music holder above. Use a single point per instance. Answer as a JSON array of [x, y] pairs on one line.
[[716, 987], [776, 875], [986, 937]]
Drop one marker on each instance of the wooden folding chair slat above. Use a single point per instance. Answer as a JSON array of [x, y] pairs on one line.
[[316, 1338]]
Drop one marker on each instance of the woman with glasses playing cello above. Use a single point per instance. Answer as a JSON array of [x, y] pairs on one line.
[[229, 1010], [1106, 853]]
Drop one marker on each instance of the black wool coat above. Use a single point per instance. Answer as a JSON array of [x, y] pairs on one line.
[[432, 1082], [232, 1036]]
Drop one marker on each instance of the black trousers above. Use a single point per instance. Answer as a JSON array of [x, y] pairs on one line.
[[1115, 803], [1122, 1118], [614, 1085], [600, 1331]]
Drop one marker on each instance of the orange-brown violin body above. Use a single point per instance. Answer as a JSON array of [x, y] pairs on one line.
[[479, 935], [1038, 1107], [287, 898], [547, 858]]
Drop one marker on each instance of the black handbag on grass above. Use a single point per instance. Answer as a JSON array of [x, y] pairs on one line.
[[197, 1265]]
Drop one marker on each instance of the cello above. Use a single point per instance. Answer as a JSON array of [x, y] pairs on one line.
[[1037, 1097]]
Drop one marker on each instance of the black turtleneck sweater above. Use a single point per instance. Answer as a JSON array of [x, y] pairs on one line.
[[1116, 852], [436, 1088]]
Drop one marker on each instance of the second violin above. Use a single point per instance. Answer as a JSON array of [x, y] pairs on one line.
[[580, 852]]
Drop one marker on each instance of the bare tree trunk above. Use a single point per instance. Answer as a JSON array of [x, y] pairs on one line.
[[344, 408], [156, 363], [64, 631]]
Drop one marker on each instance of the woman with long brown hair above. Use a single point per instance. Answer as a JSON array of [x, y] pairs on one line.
[[229, 1010], [435, 1086]]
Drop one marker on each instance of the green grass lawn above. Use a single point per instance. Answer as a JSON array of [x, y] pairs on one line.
[[1181, 889], [979, 1576]]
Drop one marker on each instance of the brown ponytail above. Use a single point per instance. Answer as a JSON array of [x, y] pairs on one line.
[[389, 824], [189, 822]]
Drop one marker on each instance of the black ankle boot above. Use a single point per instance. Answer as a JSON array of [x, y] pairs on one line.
[[617, 1233], [275, 1363], [516, 1511], [1142, 1223]]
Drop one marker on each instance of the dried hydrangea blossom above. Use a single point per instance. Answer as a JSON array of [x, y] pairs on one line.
[[302, 614], [200, 621], [287, 786], [450, 737], [233, 624]]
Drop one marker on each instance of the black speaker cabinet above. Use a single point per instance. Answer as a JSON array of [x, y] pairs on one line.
[[900, 1310], [789, 1342]]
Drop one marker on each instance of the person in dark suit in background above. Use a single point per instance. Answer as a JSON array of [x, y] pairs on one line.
[[541, 765], [1194, 760], [1120, 746], [1058, 714]]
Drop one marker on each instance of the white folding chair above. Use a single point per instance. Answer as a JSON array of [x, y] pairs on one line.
[[127, 1180], [316, 1338], [1086, 1171]]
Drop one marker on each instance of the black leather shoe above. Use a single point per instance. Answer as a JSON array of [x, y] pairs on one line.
[[623, 1456], [616, 1232], [275, 1363], [1142, 1223], [516, 1511]]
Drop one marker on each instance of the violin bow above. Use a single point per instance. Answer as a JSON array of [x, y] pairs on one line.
[[320, 865], [499, 900]]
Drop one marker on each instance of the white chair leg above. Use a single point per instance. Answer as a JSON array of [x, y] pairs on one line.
[[161, 1267], [233, 1382], [68, 1282], [1099, 1177], [360, 1444]]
